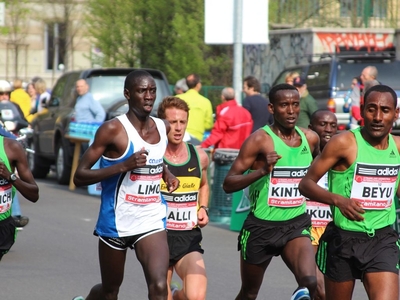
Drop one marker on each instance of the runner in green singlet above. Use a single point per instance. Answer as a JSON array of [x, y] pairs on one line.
[[324, 123], [363, 166], [13, 159], [271, 162]]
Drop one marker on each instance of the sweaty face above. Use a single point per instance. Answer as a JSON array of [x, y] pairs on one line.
[[325, 125], [286, 108], [379, 113], [142, 95], [178, 119]]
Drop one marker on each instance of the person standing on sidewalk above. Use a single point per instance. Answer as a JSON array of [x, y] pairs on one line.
[[201, 118], [187, 206], [256, 104], [233, 123], [307, 102]]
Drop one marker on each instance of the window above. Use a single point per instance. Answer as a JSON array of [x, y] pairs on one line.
[[57, 92], [318, 75], [370, 8], [55, 44]]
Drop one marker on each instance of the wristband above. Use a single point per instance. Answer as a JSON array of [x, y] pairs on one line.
[[205, 208]]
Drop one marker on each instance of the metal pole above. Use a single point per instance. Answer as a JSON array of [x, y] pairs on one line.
[[238, 50]]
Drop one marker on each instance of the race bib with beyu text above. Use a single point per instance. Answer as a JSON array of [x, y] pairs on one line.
[[374, 185]]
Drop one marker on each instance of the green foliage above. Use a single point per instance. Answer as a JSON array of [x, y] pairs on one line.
[[112, 24], [165, 35], [17, 12]]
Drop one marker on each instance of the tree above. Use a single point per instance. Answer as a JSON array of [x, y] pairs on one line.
[[115, 30], [16, 29], [166, 35]]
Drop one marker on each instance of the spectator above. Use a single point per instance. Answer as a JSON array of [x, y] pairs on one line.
[[308, 105], [21, 98], [256, 104], [369, 73], [180, 86], [201, 118], [290, 76], [30, 89], [87, 109], [43, 96], [233, 123], [368, 77], [353, 102]]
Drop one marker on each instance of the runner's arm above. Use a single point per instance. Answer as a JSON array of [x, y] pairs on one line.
[[335, 151], [204, 191], [256, 153]]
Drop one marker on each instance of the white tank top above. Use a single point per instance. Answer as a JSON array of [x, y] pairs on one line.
[[132, 203]]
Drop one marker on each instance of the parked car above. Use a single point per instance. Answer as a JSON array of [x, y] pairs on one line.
[[329, 79], [49, 143]]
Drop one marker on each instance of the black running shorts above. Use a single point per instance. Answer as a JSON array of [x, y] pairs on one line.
[[8, 234], [260, 240], [183, 242], [346, 255]]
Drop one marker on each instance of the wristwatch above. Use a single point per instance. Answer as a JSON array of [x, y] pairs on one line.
[[205, 208], [13, 177]]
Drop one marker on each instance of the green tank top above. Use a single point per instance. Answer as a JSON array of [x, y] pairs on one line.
[[372, 180], [7, 190], [276, 197]]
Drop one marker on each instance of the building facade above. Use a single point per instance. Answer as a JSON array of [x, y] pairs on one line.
[[43, 38]]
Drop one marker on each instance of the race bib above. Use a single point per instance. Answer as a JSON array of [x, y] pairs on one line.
[[5, 198], [374, 185], [320, 213], [283, 188], [142, 186], [182, 210]]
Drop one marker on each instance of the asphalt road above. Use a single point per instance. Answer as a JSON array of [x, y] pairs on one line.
[[55, 256]]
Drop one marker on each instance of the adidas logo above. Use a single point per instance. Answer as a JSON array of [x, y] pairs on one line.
[[392, 154], [304, 150]]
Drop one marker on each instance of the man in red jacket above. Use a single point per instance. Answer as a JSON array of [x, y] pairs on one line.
[[233, 123]]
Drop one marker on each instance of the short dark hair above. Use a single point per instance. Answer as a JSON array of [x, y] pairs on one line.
[[314, 115], [279, 87], [171, 102], [380, 88], [133, 77], [192, 80], [253, 82]]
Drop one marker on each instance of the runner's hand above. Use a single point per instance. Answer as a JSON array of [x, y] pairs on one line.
[[4, 172], [202, 218], [271, 160], [170, 180], [138, 159], [350, 208]]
